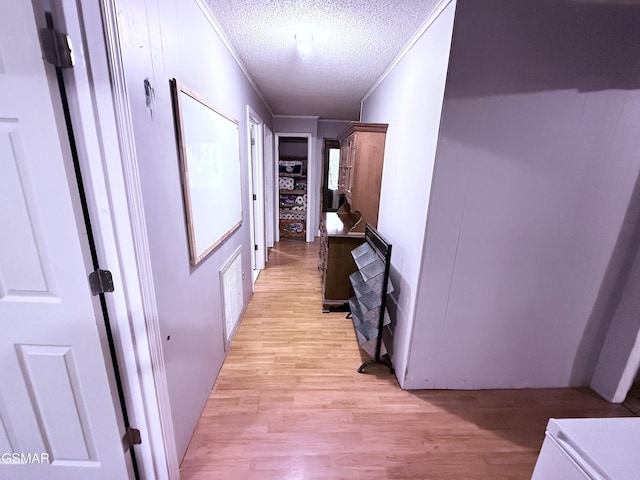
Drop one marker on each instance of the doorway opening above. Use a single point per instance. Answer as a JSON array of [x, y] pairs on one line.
[[99, 291], [293, 187], [256, 191], [330, 166]]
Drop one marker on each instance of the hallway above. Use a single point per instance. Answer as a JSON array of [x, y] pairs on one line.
[[289, 404]]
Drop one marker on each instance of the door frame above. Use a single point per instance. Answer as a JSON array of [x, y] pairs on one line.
[[99, 107], [270, 180], [256, 182], [311, 182]]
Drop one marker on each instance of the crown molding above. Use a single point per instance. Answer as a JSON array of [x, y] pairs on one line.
[[225, 40], [407, 48]]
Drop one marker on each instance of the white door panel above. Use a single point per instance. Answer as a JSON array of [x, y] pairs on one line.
[[54, 395]]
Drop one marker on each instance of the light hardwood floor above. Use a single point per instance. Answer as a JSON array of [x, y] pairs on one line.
[[288, 403]]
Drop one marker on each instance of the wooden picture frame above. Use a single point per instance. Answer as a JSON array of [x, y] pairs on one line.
[[209, 153]]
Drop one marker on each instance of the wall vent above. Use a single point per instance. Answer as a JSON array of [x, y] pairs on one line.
[[232, 297]]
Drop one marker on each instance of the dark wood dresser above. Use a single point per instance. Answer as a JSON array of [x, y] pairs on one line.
[[336, 263]]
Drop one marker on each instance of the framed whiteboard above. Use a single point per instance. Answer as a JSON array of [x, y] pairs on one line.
[[209, 152]]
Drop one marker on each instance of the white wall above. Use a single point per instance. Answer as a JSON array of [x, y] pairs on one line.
[[162, 39], [410, 101], [527, 228], [535, 169], [619, 359], [330, 129]]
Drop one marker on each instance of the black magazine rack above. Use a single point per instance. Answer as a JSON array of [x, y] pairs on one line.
[[369, 305]]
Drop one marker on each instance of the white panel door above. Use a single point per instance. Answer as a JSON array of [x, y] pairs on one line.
[[57, 417], [255, 223]]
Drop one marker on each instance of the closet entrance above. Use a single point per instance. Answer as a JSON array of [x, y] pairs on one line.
[[293, 185]]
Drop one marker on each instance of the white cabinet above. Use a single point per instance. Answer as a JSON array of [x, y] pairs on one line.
[[590, 448]]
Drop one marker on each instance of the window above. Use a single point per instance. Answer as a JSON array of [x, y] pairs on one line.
[[334, 162]]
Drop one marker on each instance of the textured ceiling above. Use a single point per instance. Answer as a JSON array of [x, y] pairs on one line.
[[354, 41]]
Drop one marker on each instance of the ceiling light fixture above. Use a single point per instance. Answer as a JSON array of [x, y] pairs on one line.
[[303, 40]]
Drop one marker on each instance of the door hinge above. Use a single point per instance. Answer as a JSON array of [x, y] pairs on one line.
[[57, 48], [100, 281], [131, 437], [255, 197], [255, 247], [253, 141]]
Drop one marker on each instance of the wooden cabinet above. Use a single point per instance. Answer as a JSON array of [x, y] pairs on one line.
[[360, 174], [359, 179], [336, 263]]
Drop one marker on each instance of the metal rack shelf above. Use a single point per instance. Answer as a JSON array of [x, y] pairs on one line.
[[371, 286]]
